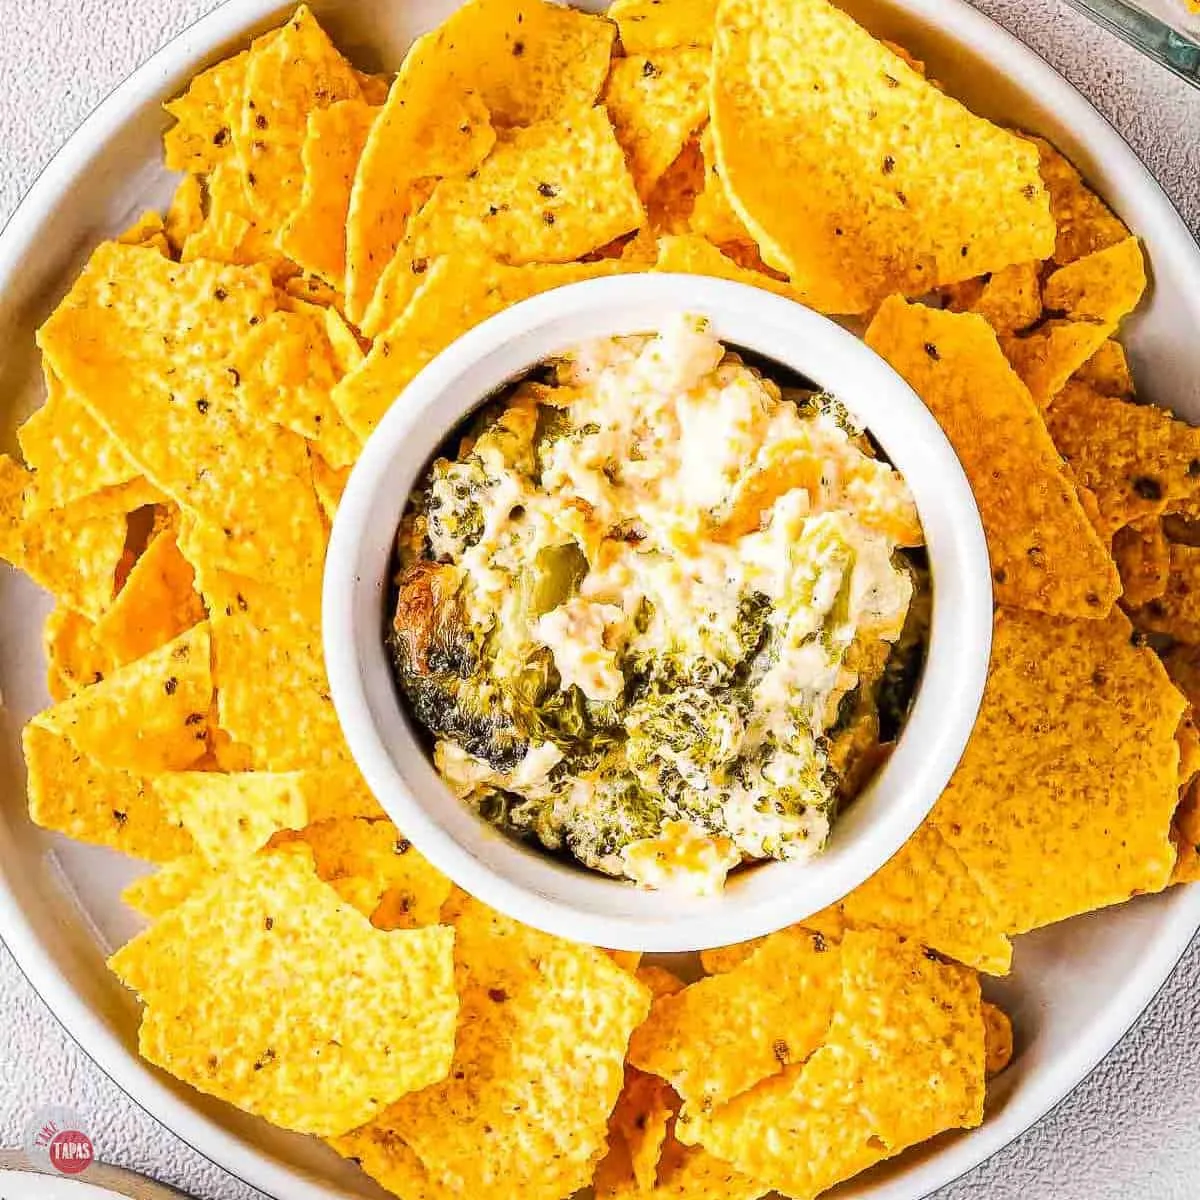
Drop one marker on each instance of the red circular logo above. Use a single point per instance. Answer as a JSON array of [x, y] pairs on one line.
[[71, 1151]]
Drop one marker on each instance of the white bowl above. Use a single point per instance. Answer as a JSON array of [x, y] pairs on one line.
[[521, 880]]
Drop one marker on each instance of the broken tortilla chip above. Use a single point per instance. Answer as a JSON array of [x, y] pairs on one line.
[[691, 255], [1143, 558], [358, 1017], [1047, 358], [649, 25], [73, 658], [1050, 771], [1009, 300], [895, 172], [169, 886], [997, 1038], [1108, 371], [71, 793], [1103, 287], [1084, 222], [1176, 610], [1045, 553], [202, 136]]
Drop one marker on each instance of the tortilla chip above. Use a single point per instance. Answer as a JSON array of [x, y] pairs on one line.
[[691, 255], [147, 345], [401, 279], [185, 215], [368, 861], [548, 193], [1009, 300], [684, 1173], [926, 893], [627, 960], [456, 294], [1103, 287], [997, 1038], [529, 60], [538, 1015], [1143, 557], [71, 793], [73, 658], [314, 236], [659, 980], [649, 25], [1187, 736], [156, 605], [1085, 223], [148, 716], [429, 128], [287, 370], [642, 1114], [269, 671], [895, 173], [713, 216], [1045, 553], [724, 958], [669, 206], [1107, 371], [330, 483], [202, 136], [902, 1061], [722, 1035], [1136, 458], [232, 816], [1047, 358], [148, 232], [1051, 771], [656, 105], [166, 888], [291, 73], [357, 1017], [1176, 611], [73, 454]]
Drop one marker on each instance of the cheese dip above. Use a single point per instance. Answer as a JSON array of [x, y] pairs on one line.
[[647, 609]]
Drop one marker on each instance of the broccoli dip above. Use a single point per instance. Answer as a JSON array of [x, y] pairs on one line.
[[653, 610]]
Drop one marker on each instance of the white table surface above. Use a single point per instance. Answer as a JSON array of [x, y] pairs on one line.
[[1131, 1128]]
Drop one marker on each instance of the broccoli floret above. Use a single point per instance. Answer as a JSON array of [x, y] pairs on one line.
[[453, 506], [695, 733]]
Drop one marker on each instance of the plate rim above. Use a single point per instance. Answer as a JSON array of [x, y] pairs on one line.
[[231, 20]]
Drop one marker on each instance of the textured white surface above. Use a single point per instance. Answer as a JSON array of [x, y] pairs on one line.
[[1129, 1128]]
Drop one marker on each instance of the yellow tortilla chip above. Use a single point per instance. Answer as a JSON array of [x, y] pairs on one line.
[[1009, 300], [649, 25], [926, 893], [997, 1038], [202, 136], [529, 60], [656, 104], [713, 216], [1136, 458], [166, 888], [684, 1173], [231, 233], [148, 716], [428, 128], [659, 980], [691, 255], [1176, 611], [72, 552], [287, 370], [232, 816], [157, 603], [291, 73], [269, 671], [1051, 771], [148, 232], [523, 1123], [1143, 557], [73, 454], [722, 1035], [147, 345], [902, 1061], [1108, 371], [356, 1017], [366, 861], [330, 483], [855, 176], [548, 193], [1045, 553], [644, 1110], [1085, 223], [185, 215], [73, 657], [456, 294], [670, 206], [1047, 358], [73, 794], [1102, 287], [314, 236]]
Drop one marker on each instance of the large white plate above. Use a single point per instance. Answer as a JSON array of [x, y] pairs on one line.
[[1075, 989]]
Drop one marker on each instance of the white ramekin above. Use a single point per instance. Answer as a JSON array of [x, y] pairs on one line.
[[519, 879]]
